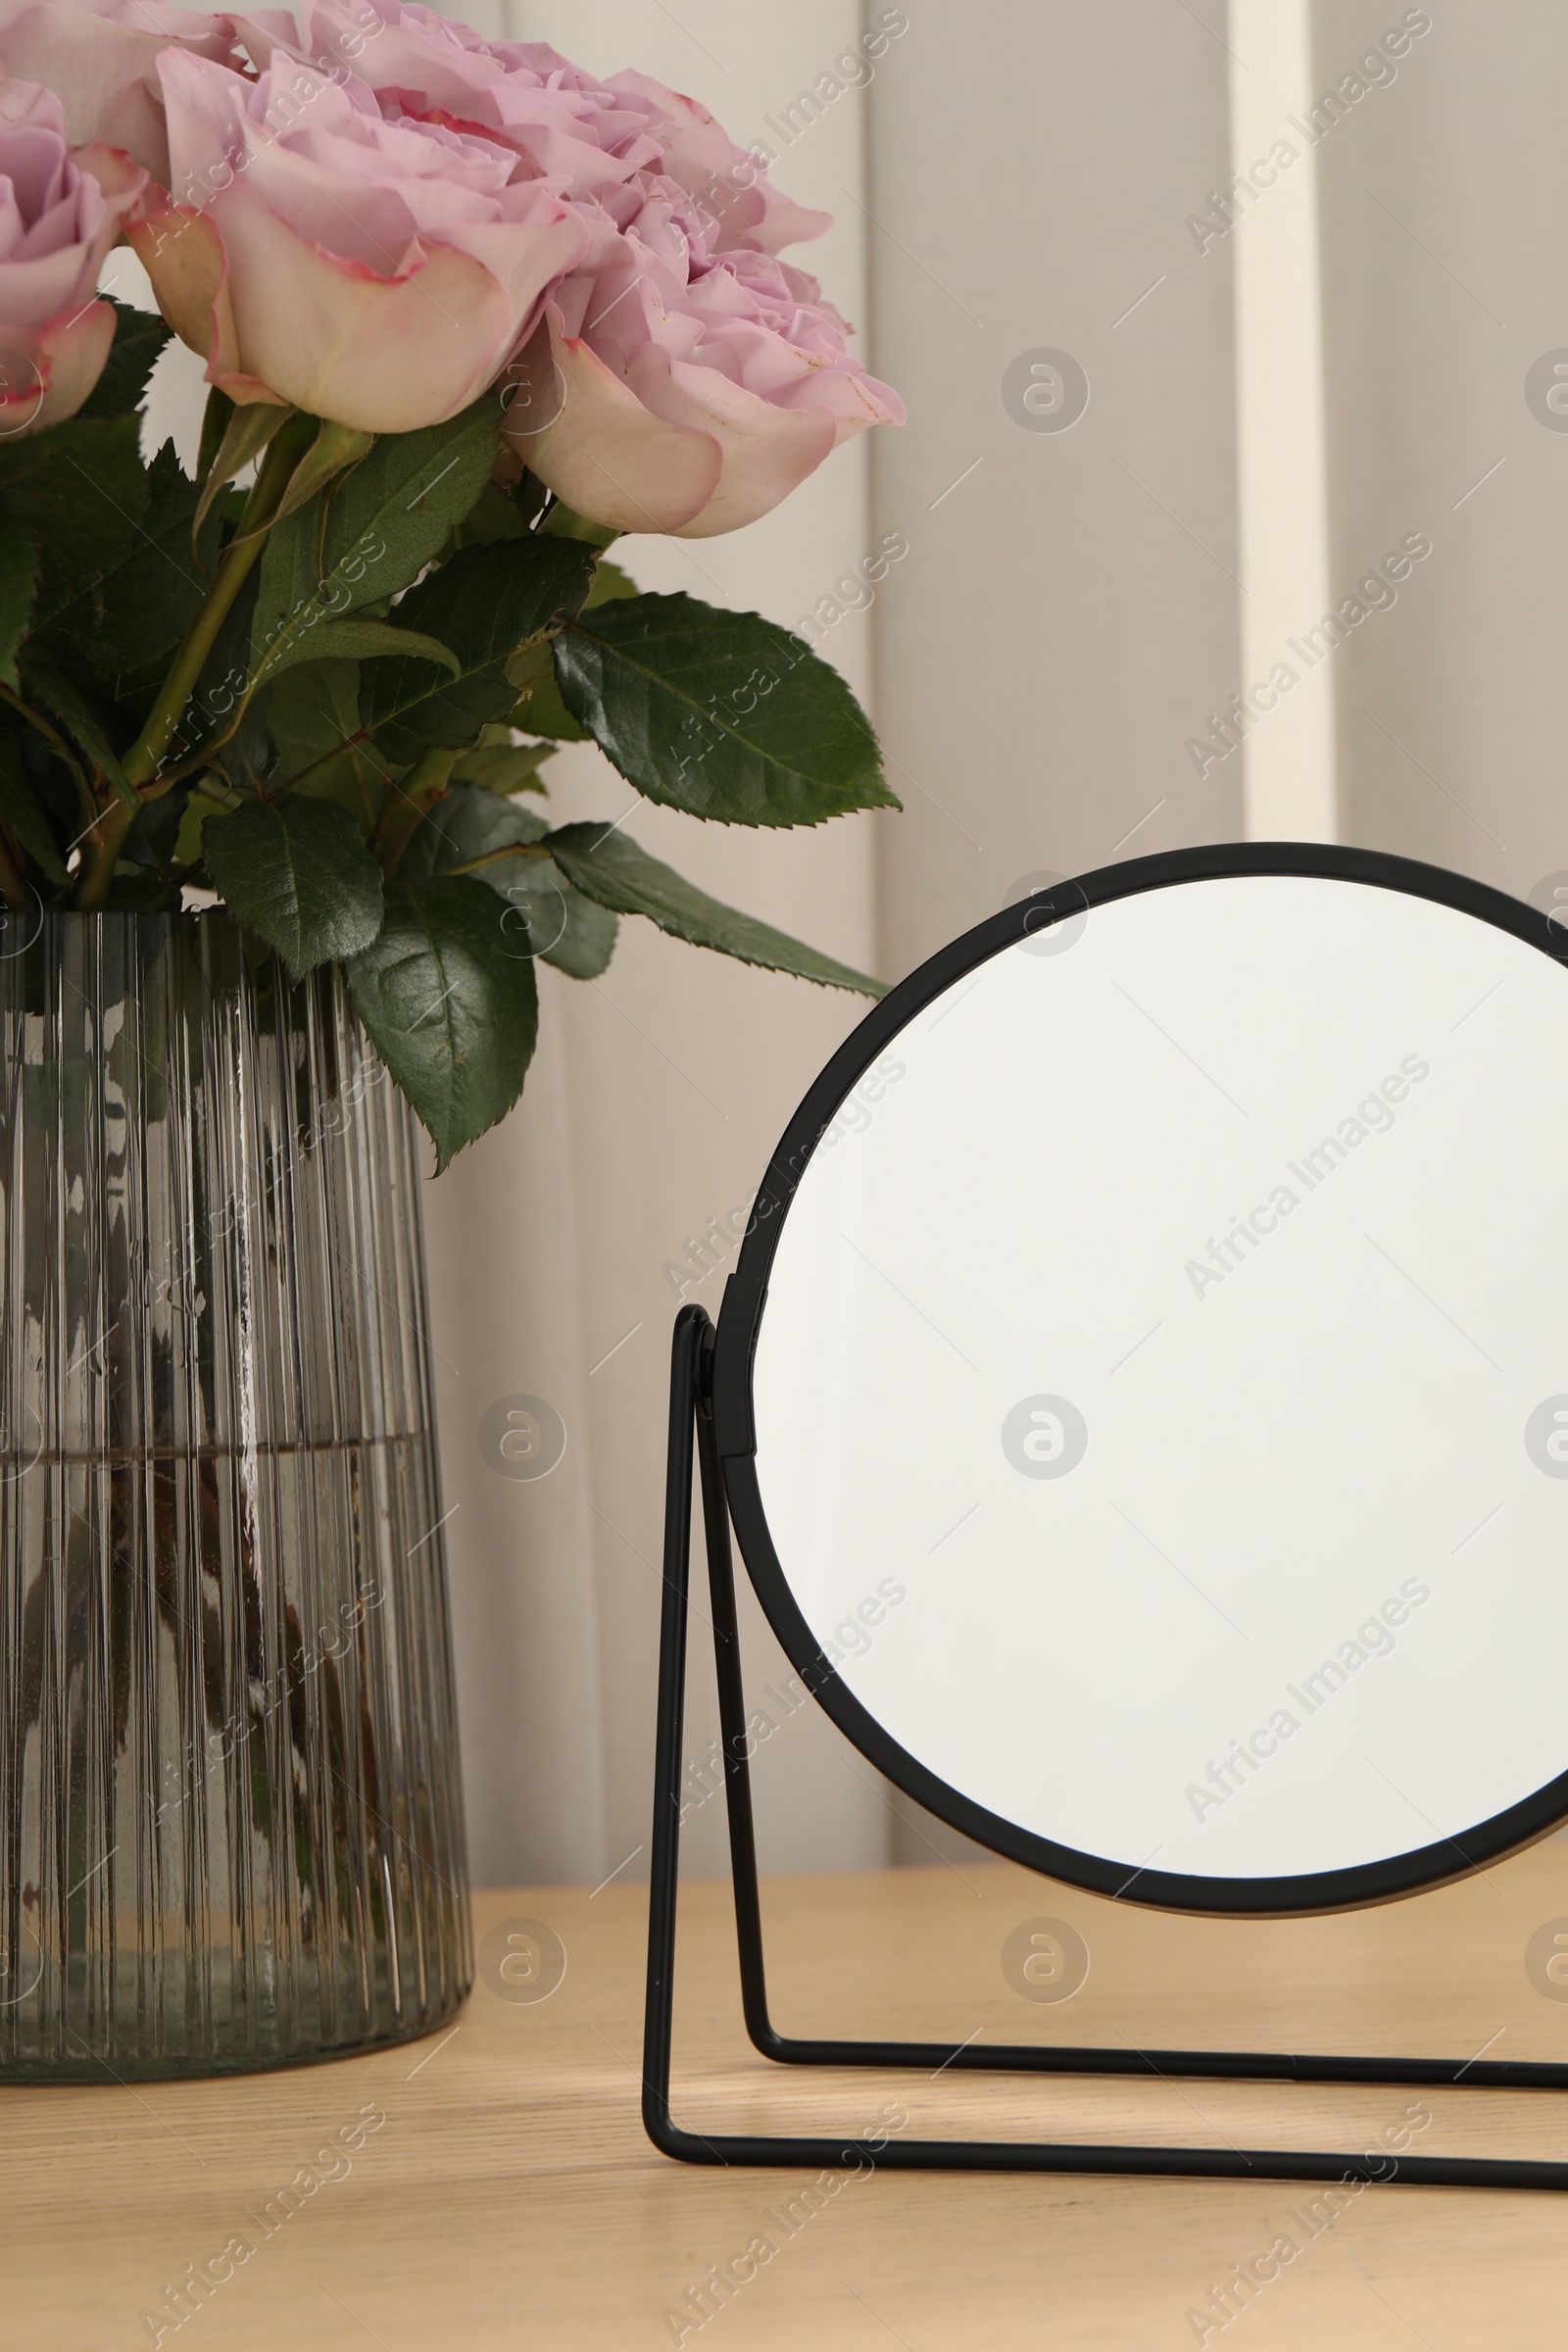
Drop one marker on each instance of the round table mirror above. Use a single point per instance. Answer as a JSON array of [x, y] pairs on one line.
[[1145, 1384]]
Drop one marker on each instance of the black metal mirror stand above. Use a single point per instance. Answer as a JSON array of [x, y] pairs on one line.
[[691, 1435]]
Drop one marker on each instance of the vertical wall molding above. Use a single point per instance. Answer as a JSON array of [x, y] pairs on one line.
[[1281, 446]]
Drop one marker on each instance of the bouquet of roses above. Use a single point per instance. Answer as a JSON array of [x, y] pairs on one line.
[[467, 314]]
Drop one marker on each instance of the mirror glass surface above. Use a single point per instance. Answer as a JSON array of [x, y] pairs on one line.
[[1161, 1395]]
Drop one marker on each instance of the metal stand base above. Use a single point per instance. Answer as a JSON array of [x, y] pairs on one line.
[[690, 1425]]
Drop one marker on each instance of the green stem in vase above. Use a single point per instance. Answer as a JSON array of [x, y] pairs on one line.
[[142, 763]]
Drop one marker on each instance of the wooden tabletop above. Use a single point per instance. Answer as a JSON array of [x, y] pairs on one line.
[[492, 2187]]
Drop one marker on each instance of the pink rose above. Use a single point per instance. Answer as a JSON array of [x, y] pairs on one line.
[[588, 133], [560, 123], [102, 57], [57, 223], [684, 379], [653, 400], [701, 158], [681, 387], [376, 273]]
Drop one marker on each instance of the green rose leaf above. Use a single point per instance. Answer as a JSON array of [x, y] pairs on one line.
[[563, 521], [540, 710], [484, 602], [504, 768], [611, 584], [358, 640], [60, 695], [19, 809], [408, 492], [313, 717], [238, 437], [560, 926], [120, 621], [296, 871], [603, 864], [371, 533], [451, 1005], [336, 447], [18, 583], [312, 710], [546, 916], [720, 713], [153, 842], [497, 514], [139, 339], [193, 823], [80, 491], [466, 823]]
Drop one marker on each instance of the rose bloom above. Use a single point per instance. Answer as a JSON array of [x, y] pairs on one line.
[[378, 272], [562, 122], [102, 57], [57, 223], [682, 378], [560, 125], [675, 387]]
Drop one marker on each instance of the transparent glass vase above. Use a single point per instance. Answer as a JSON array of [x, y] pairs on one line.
[[230, 1816]]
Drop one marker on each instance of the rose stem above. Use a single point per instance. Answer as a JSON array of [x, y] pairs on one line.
[[142, 760]]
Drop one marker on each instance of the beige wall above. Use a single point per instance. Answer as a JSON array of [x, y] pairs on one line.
[[1445, 237], [1067, 615]]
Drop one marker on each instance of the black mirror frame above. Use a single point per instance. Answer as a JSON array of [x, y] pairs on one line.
[[740, 1322]]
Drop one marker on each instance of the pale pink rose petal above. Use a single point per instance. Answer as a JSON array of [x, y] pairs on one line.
[[415, 166], [102, 57], [564, 125], [32, 292], [854, 402], [602, 452], [380, 272], [725, 179], [59, 216], [768, 451], [182, 253], [273, 24], [681, 300], [29, 102], [123, 184], [384, 353], [733, 350], [72, 351]]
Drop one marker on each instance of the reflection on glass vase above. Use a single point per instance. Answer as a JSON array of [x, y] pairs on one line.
[[230, 1817]]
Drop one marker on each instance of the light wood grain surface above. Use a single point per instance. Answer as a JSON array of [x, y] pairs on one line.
[[509, 2198]]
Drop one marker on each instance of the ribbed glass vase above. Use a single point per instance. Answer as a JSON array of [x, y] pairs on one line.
[[230, 1817]]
